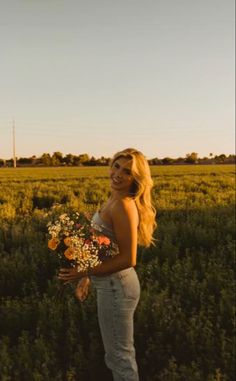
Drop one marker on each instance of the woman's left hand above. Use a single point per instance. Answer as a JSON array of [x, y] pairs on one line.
[[68, 275]]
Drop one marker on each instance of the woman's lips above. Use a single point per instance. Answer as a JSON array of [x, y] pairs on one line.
[[115, 181]]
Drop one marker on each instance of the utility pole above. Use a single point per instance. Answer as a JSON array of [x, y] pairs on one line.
[[14, 144]]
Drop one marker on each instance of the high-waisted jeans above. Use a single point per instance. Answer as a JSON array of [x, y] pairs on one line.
[[117, 298]]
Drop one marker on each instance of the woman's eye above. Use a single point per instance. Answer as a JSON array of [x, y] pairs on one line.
[[116, 165], [127, 171]]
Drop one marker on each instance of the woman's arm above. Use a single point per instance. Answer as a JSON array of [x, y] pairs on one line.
[[125, 221]]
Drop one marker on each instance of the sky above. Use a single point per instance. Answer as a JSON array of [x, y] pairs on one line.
[[98, 76]]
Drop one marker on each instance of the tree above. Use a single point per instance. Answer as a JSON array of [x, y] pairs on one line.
[[84, 157], [191, 158], [102, 161], [222, 158], [69, 159], [46, 159], [154, 161], [167, 160], [91, 162], [57, 158], [180, 160], [25, 161]]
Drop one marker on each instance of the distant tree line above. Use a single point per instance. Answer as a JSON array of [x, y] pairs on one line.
[[57, 160]]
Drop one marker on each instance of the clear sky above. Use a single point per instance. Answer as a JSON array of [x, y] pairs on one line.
[[97, 76]]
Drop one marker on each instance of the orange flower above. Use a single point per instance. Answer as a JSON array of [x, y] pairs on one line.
[[69, 253], [102, 240], [67, 241], [53, 243]]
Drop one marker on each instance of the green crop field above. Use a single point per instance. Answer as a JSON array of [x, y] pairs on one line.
[[184, 323]]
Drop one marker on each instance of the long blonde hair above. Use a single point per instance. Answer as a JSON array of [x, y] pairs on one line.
[[141, 192]]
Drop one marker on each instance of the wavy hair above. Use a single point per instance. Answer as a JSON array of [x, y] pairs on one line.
[[141, 192]]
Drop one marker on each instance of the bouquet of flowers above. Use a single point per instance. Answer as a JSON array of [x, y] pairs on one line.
[[77, 243]]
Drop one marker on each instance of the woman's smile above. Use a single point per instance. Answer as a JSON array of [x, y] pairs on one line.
[[120, 175], [115, 180]]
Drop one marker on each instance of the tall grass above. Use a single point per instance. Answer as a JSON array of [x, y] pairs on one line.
[[184, 322]]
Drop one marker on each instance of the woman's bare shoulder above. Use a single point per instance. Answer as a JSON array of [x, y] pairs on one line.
[[124, 208], [121, 204]]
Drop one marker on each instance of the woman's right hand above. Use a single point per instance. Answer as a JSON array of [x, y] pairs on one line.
[[82, 289]]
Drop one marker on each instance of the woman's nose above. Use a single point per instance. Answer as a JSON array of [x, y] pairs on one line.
[[118, 173]]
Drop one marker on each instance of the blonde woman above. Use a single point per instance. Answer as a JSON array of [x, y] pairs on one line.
[[127, 218]]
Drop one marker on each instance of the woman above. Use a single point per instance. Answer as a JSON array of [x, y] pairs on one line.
[[127, 218]]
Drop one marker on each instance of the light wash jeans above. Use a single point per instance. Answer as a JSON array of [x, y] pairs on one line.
[[117, 298]]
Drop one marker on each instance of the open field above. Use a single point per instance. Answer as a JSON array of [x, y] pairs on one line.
[[77, 172], [185, 319]]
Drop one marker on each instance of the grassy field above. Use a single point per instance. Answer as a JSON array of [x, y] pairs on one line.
[[77, 172], [184, 323]]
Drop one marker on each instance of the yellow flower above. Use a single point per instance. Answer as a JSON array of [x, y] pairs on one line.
[[53, 243]]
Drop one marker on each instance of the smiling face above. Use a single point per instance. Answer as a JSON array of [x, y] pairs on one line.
[[121, 176]]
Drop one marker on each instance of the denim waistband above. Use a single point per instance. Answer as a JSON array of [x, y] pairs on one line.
[[117, 274]]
